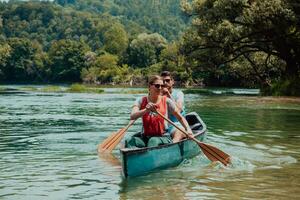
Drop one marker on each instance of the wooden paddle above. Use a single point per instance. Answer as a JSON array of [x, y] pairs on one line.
[[212, 153], [114, 139]]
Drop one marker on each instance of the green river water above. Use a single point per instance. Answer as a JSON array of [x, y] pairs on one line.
[[48, 145]]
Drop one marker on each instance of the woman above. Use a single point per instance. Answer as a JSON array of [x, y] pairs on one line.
[[154, 127]]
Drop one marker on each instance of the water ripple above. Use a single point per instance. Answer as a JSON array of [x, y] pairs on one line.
[[48, 149]]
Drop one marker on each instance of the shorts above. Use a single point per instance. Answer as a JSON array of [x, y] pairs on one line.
[[172, 129], [142, 141]]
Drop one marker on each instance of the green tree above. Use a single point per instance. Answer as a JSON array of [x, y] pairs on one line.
[[116, 40], [105, 70], [67, 59], [173, 60], [19, 66], [161, 16], [145, 49], [257, 32], [101, 70], [5, 53]]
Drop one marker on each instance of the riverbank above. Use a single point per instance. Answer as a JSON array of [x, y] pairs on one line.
[[82, 88], [108, 89]]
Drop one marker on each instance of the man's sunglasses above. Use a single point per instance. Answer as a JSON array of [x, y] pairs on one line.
[[158, 86], [167, 80]]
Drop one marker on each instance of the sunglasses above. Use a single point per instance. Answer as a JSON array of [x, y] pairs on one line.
[[167, 80], [158, 86]]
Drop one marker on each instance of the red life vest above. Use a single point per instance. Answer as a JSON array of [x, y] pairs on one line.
[[154, 124]]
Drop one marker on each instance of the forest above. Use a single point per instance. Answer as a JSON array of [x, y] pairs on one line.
[[219, 43]]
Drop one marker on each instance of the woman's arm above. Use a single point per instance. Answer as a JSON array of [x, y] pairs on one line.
[[137, 113]]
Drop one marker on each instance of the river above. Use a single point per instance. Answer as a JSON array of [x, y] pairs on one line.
[[48, 145]]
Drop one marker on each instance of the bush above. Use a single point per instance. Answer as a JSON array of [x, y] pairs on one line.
[[77, 88], [82, 88], [51, 89]]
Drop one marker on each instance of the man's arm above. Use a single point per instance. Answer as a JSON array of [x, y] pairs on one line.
[[175, 111], [183, 122], [179, 101]]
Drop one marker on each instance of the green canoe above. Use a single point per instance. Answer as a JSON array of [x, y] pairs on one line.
[[136, 162]]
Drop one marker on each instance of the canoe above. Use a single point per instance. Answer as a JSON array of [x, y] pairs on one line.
[[140, 161]]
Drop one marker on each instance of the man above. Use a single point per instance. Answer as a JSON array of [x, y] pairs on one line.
[[177, 97]]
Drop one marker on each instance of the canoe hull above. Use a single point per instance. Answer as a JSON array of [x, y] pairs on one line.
[[136, 162]]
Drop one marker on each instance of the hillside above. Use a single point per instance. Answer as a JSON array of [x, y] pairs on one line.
[[161, 16]]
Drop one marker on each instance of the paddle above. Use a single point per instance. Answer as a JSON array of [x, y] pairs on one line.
[[212, 153], [114, 139]]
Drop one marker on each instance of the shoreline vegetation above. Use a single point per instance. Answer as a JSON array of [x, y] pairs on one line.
[[127, 89], [251, 94], [123, 42], [86, 88]]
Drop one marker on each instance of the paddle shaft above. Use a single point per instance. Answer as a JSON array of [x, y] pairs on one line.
[[213, 153], [183, 131]]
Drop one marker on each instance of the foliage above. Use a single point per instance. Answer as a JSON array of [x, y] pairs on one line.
[[65, 45], [105, 70], [5, 52], [76, 88], [51, 88], [161, 16], [115, 39], [19, 60], [261, 35], [145, 49], [174, 61], [252, 43], [67, 59]]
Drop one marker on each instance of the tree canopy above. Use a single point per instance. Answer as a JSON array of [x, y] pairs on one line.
[[237, 43], [258, 39]]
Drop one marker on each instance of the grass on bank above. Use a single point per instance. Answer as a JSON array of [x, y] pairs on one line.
[[82, 88], [43, 89], [221, 91], [79, 88], [136, 91], [51, 89], [196, 91]]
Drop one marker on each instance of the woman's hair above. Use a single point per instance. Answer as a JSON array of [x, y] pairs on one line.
[[154, 78]]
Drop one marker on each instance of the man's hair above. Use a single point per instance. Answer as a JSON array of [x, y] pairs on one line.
[[166, 73]]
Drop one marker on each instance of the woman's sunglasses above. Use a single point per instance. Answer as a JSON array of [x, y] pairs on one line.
[[158, 86]]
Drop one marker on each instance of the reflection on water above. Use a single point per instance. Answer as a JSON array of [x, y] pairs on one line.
[[110, 159], [48, 149]]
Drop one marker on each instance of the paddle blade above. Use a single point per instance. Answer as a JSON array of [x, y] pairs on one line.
[[108, 146], [214, 154], [107, 141], [115, 141]]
